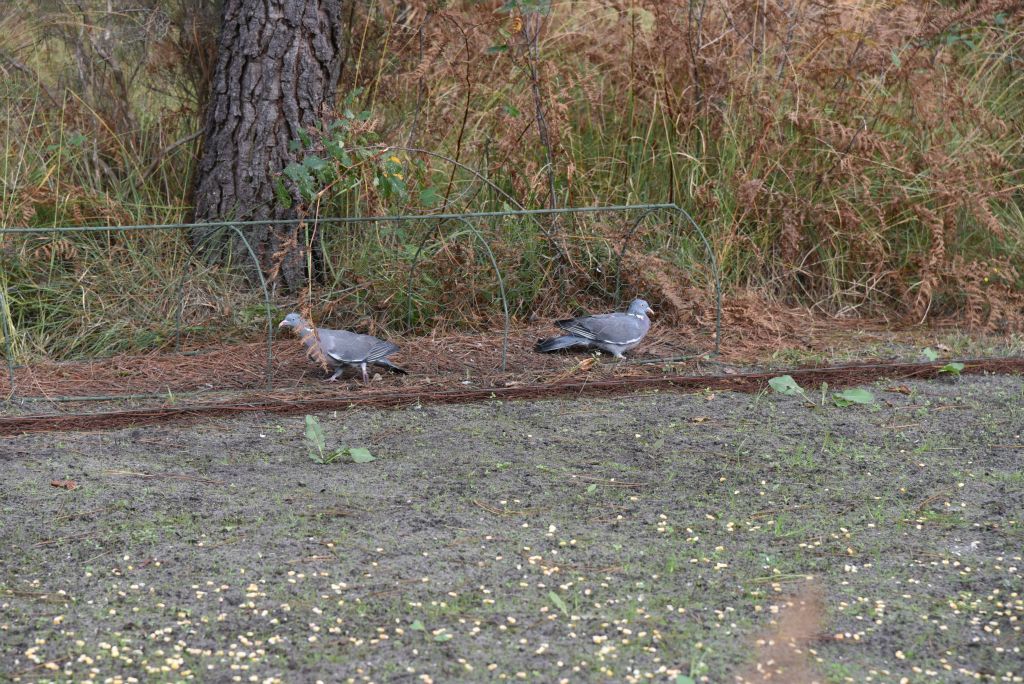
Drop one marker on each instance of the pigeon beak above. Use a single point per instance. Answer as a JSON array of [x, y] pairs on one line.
[[282, 324], [650, 310]]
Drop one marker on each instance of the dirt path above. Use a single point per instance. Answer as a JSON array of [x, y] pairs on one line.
[[712, 537]]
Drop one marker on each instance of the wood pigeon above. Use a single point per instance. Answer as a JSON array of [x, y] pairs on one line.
[[614, 333], [340, 348]]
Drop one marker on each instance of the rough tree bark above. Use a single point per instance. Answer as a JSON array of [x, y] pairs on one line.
[[277, 73]]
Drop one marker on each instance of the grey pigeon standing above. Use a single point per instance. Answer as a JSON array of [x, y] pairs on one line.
[[340, 348], [614, 333]]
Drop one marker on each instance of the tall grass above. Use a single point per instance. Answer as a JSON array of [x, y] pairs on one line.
[[860, 158]]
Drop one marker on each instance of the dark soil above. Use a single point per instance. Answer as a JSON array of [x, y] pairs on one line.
[[658, 536]]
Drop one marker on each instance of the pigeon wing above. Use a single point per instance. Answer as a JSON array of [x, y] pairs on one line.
[[345, 346], [613, 328]]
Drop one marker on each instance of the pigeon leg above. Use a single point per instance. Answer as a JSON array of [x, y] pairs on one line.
[[336, 375], [366, 378]]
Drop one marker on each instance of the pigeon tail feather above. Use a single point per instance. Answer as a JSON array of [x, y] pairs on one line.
[[551, 344], [384, 363]]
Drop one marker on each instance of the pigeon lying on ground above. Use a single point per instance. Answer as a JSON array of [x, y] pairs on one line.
[[614, 333], [340, 348]]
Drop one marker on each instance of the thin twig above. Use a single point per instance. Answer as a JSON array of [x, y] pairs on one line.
[[938, 496], [163, 153], [506, 512], [163, 476]]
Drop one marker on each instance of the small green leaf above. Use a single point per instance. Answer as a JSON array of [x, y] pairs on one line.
[[297, 172], [397, 186], [337, 151], [496, 49], [429, 197], [930, 353], [853, 396], [683, 679], [591, 489], [284, 198], [315, 433], [314, 163], [443, 636], [360, 455], [785, 384], [558, 603], [335, 148], [954, 368], [418, 626]]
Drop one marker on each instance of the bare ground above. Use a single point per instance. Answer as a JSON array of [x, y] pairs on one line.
[[712, 537]]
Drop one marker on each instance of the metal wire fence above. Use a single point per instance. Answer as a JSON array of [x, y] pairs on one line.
[[418, 231]]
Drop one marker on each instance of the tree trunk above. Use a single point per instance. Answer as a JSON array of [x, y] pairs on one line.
[[277, 73]]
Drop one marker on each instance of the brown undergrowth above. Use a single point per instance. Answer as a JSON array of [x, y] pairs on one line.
[[850, 158], [823, 144]]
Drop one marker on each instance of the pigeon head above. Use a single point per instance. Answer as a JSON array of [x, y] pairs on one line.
[[292, 320], [639, 307]]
